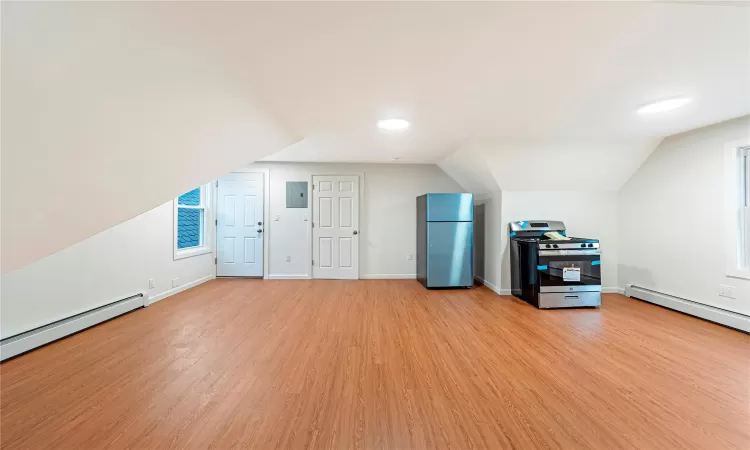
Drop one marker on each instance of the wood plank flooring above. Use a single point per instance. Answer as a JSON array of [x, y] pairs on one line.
[[381, 364]]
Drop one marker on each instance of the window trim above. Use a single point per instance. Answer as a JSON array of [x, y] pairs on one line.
[[205, 200], [736, 219]]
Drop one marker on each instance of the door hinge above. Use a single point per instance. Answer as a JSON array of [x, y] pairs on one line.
[[313, 224], [217, 183], [215, 261], [313, 262], [217, 222], [313, 187]]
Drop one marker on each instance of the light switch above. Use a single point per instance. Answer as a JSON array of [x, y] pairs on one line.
[[305, 217], [277, 218]]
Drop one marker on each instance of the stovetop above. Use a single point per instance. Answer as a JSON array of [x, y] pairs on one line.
[[572, 240], [542, 240], [571, 244]]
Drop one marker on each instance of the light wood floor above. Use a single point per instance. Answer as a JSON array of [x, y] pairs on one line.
[[381, 364]]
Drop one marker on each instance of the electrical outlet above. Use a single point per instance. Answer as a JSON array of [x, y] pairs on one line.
[[288, 259], [726, 291], [175, 282], [151, 283], [410, 256]]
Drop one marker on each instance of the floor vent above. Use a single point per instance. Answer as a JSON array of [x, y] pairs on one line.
[[721, 316], [21, 343]]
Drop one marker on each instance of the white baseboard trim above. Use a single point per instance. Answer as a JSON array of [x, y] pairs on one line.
[[371, 276], [613, 290], [37, 337], [388, 276], [710, 313], [178, 289], [492, 287], [289, 277]]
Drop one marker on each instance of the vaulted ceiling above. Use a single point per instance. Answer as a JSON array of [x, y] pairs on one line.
[[110, 109], [530, 73], [109, 112]]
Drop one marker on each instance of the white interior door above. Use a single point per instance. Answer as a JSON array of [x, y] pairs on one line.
[[240, 226], [336, 226]]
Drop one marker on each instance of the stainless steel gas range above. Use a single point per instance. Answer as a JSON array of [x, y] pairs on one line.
[[550, 269]]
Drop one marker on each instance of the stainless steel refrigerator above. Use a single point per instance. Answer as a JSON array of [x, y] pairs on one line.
[[445, 240]]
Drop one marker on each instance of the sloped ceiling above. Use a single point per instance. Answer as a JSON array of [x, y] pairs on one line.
[[581, 165], [111, 108], [512, 95], [470, 168], [535, 73], [108, 111]]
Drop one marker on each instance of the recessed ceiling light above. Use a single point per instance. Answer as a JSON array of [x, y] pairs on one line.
[[664, 105], [393, 125]]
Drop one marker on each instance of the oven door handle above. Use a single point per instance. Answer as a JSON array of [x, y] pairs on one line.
[[569, 252]]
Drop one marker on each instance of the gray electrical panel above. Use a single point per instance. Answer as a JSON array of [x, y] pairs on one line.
[[296, 194]]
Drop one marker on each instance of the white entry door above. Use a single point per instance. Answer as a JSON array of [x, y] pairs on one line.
[[240, 226], [336, 227]]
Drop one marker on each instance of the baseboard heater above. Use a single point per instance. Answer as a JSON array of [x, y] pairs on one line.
[[721, 316], [21, 343]]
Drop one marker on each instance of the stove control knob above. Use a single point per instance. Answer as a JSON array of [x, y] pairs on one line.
[[554, 245], [591, 245], [583, 245], [547, 246]]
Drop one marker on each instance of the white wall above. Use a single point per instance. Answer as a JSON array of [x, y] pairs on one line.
[[387, 216], [585, 214], [492, 239], [671, 215], [107, 267]]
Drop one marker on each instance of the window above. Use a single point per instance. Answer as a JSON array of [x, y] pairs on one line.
[[190, 219], [744, 208]]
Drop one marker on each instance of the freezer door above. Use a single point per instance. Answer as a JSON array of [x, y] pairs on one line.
[[450, 254], [450, 207]]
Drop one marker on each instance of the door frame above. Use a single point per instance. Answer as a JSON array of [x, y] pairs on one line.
[[360, 217], [266, 213]]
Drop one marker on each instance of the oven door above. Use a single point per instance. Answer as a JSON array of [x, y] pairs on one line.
[[569, 270]]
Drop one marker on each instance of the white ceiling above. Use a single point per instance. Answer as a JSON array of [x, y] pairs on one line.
[[107, 113], [484, 166], [509, 71], [111, 108]]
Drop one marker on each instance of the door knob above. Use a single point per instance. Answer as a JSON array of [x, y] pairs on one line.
[[260, 223], [259, 230], [355, 231]]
